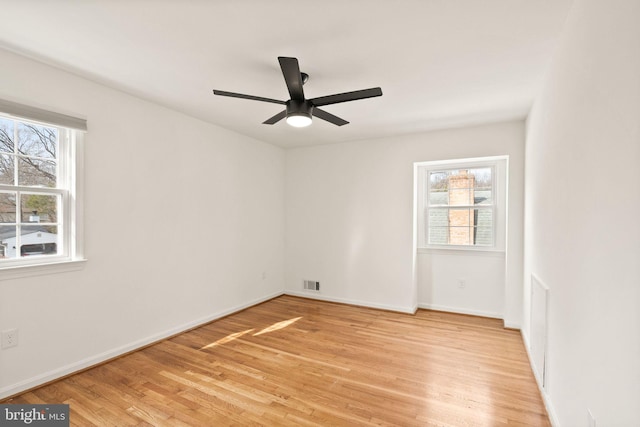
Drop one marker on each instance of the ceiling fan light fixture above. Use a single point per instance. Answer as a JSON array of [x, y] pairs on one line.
[[299, 113], [299, 120]]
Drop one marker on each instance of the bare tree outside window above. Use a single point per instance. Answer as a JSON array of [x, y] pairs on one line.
[[28, 158]]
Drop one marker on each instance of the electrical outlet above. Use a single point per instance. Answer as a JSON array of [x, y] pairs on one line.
[[9, 338], [462, 283], [264, 275]]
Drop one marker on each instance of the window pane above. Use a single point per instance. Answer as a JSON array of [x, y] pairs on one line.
[[439, 198], [461, 197], [37, 140], [6, 135], [438, 181], [482, 177], [39, 208], [38, 240], [36, 173], [484, 227], [461, 236], [483, 197], [438, 188], [7, 169], [7, 207], [461, 223], [438, 226], [466, 227], [483, 191], [438, 235], [7, 241], [461, 187]]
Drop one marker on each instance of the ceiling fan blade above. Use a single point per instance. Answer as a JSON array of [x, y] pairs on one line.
[[292, 77], [251, 97], [347, 96], [321, 114], [275, 119]]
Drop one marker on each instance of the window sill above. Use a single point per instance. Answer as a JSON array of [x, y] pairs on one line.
[[461, 250], [28, 270]]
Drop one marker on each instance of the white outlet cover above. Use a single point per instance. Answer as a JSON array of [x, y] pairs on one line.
[[9, 338]]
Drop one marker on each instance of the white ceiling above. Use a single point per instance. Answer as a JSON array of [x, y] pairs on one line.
[[440, 63]]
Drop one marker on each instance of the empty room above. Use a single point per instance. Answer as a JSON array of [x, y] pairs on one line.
[[292, 213]]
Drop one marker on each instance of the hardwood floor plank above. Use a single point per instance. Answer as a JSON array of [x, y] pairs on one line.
[[296, 362]]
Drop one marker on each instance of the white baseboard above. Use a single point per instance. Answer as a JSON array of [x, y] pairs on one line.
[[88, 362], [315, 295], [511, 325], [460, 310], [553, 418]]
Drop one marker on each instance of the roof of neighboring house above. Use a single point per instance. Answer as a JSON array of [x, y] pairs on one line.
[[9, 232]]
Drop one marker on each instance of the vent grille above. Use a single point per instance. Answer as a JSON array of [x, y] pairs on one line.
[[538, 329], [311, 285]]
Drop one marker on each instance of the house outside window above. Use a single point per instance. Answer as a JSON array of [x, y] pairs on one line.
[[461, 203], [38, 192]]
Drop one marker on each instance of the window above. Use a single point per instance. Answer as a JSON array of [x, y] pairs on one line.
[[458, 203], [38, 193]]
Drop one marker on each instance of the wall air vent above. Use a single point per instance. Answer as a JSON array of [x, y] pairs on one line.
[[311, 285]]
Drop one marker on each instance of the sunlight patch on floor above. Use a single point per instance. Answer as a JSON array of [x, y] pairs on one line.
[[227, 339], [277, 326]]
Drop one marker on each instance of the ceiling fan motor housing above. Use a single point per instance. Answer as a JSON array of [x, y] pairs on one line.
[[299, 108]]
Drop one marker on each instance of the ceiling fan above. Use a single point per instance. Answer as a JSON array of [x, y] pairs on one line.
[[299, 110]]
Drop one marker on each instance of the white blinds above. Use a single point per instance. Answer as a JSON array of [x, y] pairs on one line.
[[39, 115]]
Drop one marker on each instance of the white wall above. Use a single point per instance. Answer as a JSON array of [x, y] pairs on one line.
[[181, 220], [582, 205], [440, 270], [439, 273], [349, 221]]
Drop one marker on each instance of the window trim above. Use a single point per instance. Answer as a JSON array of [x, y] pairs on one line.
[[30, 270], [499, 178], [70, 164], [38, 115]]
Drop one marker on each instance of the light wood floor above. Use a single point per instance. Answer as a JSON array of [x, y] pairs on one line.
[[298, 362]]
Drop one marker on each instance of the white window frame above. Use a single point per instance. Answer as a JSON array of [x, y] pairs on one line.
[[499, 176], [69, 188]]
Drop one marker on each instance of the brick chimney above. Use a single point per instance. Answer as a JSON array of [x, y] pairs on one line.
[[461, 221]]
